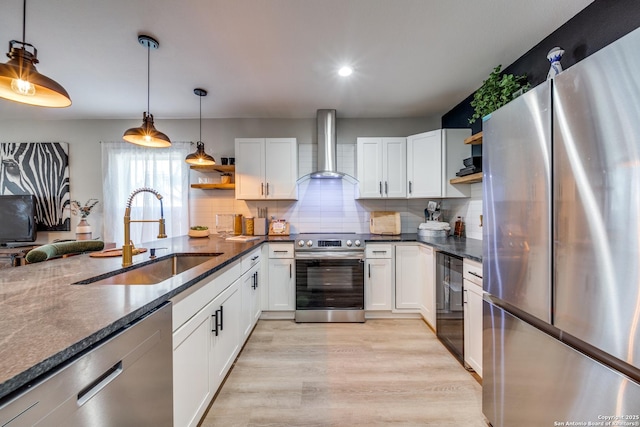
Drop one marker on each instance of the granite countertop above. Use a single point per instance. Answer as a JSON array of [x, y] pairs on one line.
[[46, 320]]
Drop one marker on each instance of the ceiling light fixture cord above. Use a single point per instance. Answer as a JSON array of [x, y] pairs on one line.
[[24, 20], [200, 118], [148, 75]]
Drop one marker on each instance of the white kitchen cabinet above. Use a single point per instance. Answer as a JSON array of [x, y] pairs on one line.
[[428, 306], [282, 289], [381, 169], [194, 366], [409, 276], [378, 277], [266, 168], [473, 315], [192, 385], [433, 158], [250, 290], [226, 337]]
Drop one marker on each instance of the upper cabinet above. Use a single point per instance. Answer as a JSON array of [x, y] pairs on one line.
[[433, 158], [382, 167], [266, 168]]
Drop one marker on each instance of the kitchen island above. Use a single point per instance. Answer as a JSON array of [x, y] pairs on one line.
[[47, 320]]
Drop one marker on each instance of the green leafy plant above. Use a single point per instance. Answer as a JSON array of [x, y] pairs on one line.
[[495, 92], [199, 227]]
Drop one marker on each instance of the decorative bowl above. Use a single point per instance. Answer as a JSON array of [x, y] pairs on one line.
[[198, 233]]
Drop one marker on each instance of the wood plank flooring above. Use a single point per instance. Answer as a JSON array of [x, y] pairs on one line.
[[390, 372]]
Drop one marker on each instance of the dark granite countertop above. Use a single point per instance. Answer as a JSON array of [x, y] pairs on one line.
[[46, 320]]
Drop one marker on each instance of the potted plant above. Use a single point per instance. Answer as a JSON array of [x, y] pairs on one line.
[[83, 229], [496, 91]]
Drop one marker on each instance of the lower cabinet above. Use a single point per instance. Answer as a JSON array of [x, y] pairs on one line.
[[192, 368], [250, 299], [473, 315], [282, 282], [409, 276], [428, 295], [225, 337], [378, 277], [211, 322]]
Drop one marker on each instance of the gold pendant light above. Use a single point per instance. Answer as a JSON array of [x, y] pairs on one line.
[[147, 135], [200, 157], [21, 82]]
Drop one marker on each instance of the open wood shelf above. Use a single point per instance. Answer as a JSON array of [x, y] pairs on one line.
[[474, 139], [469, 179], [214, 168], [231, 186]]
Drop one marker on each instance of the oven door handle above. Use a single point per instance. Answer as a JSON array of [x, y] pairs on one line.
[[359, 255]]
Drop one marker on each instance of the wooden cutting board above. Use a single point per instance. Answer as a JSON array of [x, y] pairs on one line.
[[115, 252], [385, 222]]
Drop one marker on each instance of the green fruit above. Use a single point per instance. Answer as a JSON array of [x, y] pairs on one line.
[[199, 227]]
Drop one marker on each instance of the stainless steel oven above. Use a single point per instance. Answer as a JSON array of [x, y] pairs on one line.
[[329, 279]]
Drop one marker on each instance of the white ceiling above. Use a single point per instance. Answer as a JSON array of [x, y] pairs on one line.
[[273, 58]]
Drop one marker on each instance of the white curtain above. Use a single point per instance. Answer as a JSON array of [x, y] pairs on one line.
[[127, 167]]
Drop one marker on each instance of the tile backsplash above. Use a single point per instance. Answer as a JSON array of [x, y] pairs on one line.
[[331, 205]]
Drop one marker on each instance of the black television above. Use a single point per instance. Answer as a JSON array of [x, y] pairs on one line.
[[17, 219]]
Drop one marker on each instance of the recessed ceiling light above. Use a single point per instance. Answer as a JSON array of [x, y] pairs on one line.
[[345, 71]]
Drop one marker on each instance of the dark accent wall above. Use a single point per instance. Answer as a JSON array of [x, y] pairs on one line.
[[596, 26]]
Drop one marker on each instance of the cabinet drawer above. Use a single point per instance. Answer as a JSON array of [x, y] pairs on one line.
[[251, 259], [280, 250], [472, 271], [378, 251]]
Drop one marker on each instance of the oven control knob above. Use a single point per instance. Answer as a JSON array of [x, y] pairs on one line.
[[309, 243], [349, 243], [357, 242], [301, 243]]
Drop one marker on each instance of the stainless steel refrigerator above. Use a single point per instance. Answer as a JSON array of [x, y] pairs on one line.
[[561, 327]]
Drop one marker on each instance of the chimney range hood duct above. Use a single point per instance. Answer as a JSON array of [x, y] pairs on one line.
[[327, 144]]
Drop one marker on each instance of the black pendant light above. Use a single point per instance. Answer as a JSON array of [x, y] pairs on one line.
[[200, 157], [21, 82], [147, 135]]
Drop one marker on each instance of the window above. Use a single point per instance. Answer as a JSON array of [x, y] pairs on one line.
[[127, 167]]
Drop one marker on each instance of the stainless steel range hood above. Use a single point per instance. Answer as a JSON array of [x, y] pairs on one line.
[[327, 144]]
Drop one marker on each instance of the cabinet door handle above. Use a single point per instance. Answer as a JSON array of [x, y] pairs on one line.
[[215, 322], [386, 188], [290, 276], [262, 188], [255, 257], [221, 318], [281, 252], [256, 273], [267, 188], [410, 187], [474, 274], [464, 296], [380, 187], [369, 270], [379, 252]]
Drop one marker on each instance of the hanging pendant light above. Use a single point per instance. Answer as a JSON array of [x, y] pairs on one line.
[[200, 157], [21, 82], [147, 135]]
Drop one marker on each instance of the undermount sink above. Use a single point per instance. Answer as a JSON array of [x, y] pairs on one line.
[[152, 272]]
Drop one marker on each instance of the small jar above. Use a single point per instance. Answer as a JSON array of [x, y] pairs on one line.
[[248, 226], [237, 224], [459, 228]]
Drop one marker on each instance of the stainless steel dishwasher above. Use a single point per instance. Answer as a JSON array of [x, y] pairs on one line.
[[125, 380]]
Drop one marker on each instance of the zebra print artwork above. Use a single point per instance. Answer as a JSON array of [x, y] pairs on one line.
[[41, 169]]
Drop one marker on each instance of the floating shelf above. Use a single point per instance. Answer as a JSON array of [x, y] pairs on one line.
[[474, 139], [214, 168], [469, 179], [214, 186]]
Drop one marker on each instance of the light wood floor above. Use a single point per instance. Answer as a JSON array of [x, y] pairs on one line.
[[382, 372]]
